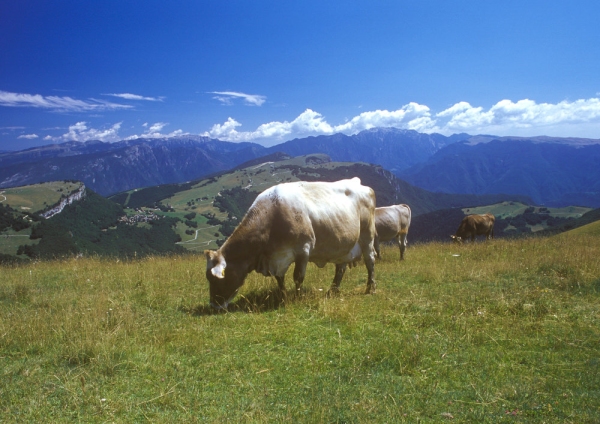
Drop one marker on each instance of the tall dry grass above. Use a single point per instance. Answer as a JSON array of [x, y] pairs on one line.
[[482, 332]]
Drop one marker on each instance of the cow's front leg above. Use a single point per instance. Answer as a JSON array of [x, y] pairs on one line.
[[340, 269], [281, 284]]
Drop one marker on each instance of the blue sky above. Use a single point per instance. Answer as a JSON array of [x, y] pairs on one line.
[[271, 71]]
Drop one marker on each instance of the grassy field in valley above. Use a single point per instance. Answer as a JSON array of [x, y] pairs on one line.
[[10, 241], [503, 331], [36, 197], [511, 209]]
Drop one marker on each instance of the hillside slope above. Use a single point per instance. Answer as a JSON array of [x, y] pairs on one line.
[[592, 229], [209, 209], [90, 225]]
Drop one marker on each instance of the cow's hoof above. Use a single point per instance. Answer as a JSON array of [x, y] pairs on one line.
[[370, 289], [333, 292]]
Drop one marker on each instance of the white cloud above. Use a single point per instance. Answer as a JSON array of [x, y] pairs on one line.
[[157, 127], [412, 115], [307, 123], [525, 117], [81, 132], [154, 131], [226, 131], [579, 118], [56, 103], [227, 97], [129, 96]]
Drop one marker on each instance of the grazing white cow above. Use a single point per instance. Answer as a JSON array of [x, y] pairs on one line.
[[475, 225], [297, 222], [392, 223]]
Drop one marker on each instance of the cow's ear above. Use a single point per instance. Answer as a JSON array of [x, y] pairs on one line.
[[215, 263], [218, 270]]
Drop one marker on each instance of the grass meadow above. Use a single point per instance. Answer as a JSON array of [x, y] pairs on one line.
[[36, 197], [503, 331]]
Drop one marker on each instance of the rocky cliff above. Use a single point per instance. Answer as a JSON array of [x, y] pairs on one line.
[[58, 208]]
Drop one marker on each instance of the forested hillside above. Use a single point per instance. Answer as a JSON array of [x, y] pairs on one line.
[[94, 225]]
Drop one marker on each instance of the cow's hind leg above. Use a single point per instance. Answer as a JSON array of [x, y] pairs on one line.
[[300, 270], [402, 244], [340, 270], [376, 246], [369, 258]]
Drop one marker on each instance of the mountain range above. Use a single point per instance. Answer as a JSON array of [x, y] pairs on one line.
[[551, 171], [551, 174], [393, 149], [113, 167]]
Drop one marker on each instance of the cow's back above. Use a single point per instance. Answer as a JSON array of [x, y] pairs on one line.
[[392, 221], [473, 225], [332, 215]]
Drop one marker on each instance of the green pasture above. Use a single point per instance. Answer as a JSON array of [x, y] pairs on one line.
[[35, 197], [203, 238], [11, 240], [256, 178], [199, 198], [512, 209], [592, 230], [501, 331]]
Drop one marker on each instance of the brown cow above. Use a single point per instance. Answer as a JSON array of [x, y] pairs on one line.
[[296, 222], [392, 223], [475, 225]]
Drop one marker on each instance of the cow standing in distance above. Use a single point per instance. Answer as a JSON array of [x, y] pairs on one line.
[[392, 223], [475, 225], [320, 222]]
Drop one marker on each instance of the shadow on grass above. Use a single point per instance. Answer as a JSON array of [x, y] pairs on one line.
[[255, 301], [265, 300]]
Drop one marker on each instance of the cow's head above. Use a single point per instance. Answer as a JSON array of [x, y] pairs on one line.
[[224, 282], [457, 239]]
